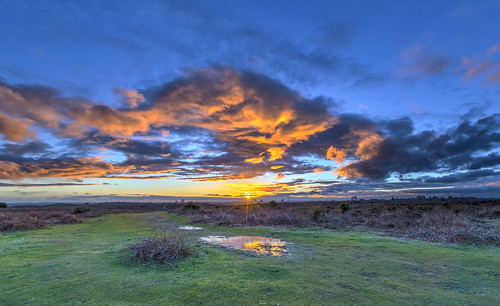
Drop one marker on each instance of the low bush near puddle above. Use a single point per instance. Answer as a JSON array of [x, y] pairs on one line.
[[166, 248]]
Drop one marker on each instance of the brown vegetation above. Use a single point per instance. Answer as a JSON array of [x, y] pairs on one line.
[[452, 220], [457, 222], [167, 248]]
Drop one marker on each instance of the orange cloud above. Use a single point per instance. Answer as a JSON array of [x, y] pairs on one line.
[[276, 167], [280, 176], [479, 64], [13, 129], [276, 153], [335, 154], [132, 97], [79, 167], [255, 160], [369, 146]]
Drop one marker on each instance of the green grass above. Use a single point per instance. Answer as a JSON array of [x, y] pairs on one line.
[[76, 264]]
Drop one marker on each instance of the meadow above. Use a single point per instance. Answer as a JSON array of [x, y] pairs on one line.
[[84, 262]]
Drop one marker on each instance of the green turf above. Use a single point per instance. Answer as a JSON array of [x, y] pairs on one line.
[[76, 264]]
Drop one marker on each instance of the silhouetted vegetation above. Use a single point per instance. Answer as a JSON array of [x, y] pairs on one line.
[[3, 205], [81, 209], [191, 206]]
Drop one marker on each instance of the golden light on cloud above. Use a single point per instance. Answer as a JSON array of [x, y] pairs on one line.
[[335, 154], [276, 167], [255, 160], [276, 153], [280, 176]]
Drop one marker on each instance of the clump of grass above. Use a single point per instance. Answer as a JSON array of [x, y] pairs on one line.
[[164, 249]]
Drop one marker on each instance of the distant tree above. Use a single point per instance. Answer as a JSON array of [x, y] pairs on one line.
[[3, 205]]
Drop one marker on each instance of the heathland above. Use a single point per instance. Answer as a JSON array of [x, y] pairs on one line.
[[338, 253]]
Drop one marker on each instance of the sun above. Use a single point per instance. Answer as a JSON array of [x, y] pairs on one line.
[[247, 196]]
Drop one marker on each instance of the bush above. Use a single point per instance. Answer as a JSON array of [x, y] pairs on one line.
[[81, 209], [344, 206], [168, 248], [317, 213], [3, 205], [191, 206]]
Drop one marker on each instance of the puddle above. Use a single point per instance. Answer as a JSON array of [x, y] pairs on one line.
[[190, 228], [258, 244]]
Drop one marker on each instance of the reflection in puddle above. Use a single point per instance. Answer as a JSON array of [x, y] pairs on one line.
[[258, 244], [190, 228]]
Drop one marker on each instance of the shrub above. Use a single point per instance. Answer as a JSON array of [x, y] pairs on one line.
[[167, 248], [344, 206], [273, 203], [445, 205], [317, 213], [81, 209], [3, 205], [191, 206]]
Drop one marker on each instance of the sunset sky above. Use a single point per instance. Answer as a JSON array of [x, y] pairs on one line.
[[165, 100]]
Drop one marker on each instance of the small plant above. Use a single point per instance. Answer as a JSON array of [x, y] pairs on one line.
[[390, 208], [446, 205], [344, 206], [317, 213], [424, 207], [3, 205], [191, 206], [81, 209], [167, 248]]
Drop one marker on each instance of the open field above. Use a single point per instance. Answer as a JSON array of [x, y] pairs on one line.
[[82, 263]]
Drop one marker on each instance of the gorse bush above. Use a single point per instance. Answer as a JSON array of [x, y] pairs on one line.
[[191, 206], [344, 206], [167, 248], [317, 213], [3, 205], [81, 209]]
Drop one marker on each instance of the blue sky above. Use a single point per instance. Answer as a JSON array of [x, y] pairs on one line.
[[103, 87]]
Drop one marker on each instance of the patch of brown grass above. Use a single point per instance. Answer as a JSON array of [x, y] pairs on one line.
[[167, 248]]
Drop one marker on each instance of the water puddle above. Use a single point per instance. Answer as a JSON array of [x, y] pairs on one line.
[[190, 228], [258, 244]]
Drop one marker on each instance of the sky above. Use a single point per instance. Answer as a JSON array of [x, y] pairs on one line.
[[209, 100]]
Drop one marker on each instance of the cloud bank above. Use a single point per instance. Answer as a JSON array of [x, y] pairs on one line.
[[220, 123]]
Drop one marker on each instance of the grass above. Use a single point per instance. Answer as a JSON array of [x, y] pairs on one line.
[[82, 263]]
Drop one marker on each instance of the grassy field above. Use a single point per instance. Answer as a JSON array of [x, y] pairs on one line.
[[82, 263]]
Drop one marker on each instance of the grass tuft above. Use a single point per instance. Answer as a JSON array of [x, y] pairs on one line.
[[164, 249]]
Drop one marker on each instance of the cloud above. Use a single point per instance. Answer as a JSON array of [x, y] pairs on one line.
[[477, 65], [335, 154], [220, 123], [12, 129], [72, 168], [44, 185], [420, 61], [131, 96]]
